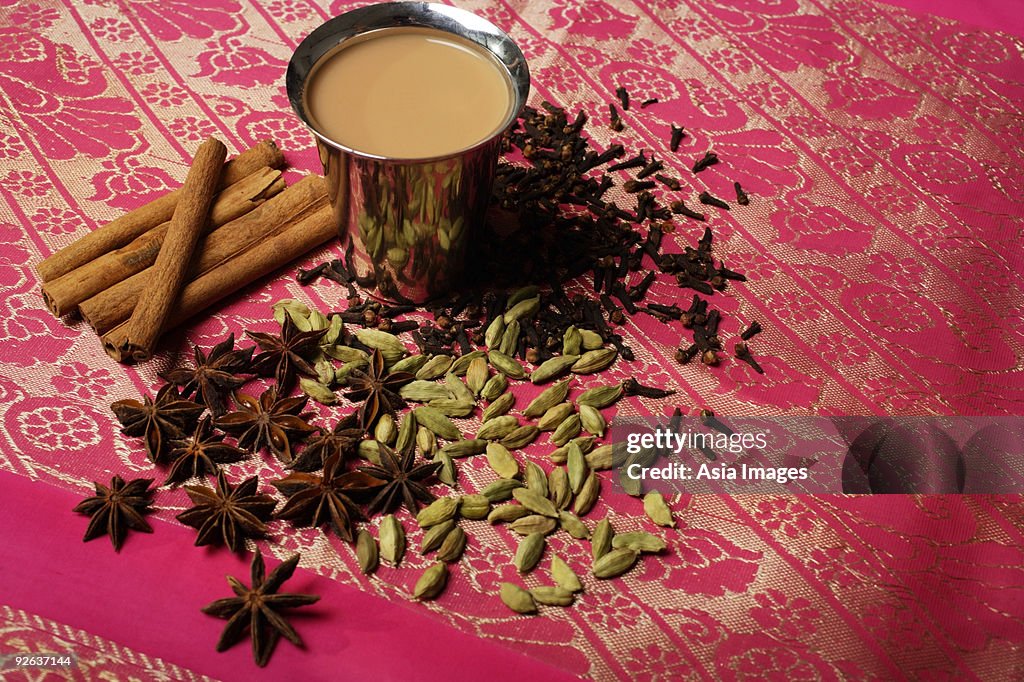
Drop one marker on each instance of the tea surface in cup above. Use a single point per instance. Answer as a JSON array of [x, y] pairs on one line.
[[409, 93]]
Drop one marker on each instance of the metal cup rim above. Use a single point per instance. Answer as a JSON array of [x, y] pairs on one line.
[[457, 21]]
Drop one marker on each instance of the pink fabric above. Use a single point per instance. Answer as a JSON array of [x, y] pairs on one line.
[[882, 151], [996, 15], [147, 599]]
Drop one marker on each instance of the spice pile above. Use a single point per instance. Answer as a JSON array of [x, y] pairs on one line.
[[395, 457]]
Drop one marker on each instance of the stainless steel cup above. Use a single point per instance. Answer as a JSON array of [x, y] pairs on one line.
[[405, 223]]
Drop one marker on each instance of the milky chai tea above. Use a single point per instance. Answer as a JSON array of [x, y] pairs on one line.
[[409, 93]]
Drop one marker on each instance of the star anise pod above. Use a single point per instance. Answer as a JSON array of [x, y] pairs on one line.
[[286, 354], [318, 500], [215, 375], [226, 515], [256, 608], [377, 390], [157, 421], [343, 439], [200, 453], [116, 509], [403, 481], [267, 422]]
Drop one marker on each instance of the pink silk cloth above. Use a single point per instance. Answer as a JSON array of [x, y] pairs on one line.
[[883, 153]]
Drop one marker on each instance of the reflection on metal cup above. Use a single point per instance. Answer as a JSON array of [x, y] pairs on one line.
[[406, 222]]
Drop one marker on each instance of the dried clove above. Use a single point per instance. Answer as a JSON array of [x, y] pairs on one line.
[[741, 197], [708, 200], [677, 137], [709, 159]]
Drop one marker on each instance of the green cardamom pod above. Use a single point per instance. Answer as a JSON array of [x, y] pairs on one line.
[[553, 368], [453, 546], [392, 540], [548, 398], [446, 474], [600, 458], [639, 541], [520, 437], [494, 388], [561, 455], [615, 563], [523, 310], [589, 492], [465, 448], [347, 354], [461, 364], [435, 420], [366, 552], [324, 369], [498, 428], [601, 397], [370, 451], [550, 420], [572, 341], [499, 407], [572, 525], [630, 486], [564, 576], [521, 294], [535, 479], [317, 391], [318, 321], [477, 375], [576, 463], [595, 361], [435, 535], [601, 540], [517, 599], [411, 364], [435, 368], [432, 582], [506, 364], [389, 345], [592, 420], [474, 507], [453, 407], [422, 391], [492, 337], [406, 439], [426, 441], [341, 373], [591, 340], [333, 331], [535, 502], [440, 510], [502, 461], [500, 490], [552, 596], [530, 550], [385, 430], [510, 338], [567, 430], [458, 389], [657, 510], [507, 512], [558, 488], [533, 523]]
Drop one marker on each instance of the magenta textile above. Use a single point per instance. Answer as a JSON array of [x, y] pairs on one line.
[[883, 153]]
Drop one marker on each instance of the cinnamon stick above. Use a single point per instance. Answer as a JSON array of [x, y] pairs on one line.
[[113, 306], [123, 230], [266, 256], [64, 294], [172, 263]]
